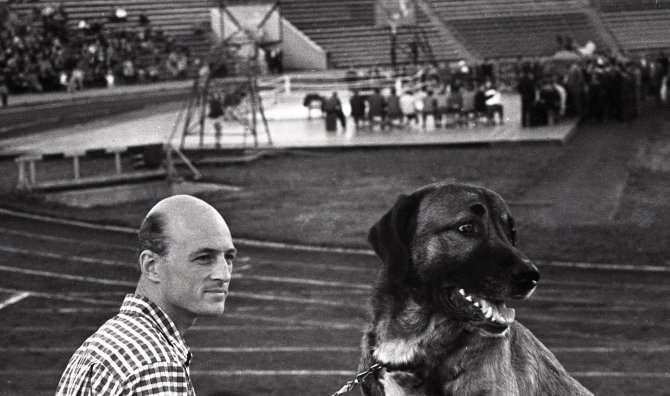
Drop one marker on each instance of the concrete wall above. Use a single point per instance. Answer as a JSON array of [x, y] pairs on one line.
[[300, 52]]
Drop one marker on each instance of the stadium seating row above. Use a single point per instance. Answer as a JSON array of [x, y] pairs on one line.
[[631, 5], [317, 14], [180, 19], [473, 9], [346, 28], [371, 45], [640, 31], [530, 35]]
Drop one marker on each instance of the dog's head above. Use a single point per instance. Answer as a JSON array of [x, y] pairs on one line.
[[452, 247]]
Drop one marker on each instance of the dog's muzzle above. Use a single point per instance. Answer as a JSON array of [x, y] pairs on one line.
[[524, 279], [493, 317]]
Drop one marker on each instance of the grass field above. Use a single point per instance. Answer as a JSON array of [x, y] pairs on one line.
[[593, 213]]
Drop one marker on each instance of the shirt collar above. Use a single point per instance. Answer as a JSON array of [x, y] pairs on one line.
[[135, 304]]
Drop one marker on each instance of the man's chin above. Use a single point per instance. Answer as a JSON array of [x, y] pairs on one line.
[[213, 310]]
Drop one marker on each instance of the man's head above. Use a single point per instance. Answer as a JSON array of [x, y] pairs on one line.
[[186, 254]]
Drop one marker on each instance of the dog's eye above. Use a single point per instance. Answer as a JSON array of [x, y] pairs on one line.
[[466, 228]]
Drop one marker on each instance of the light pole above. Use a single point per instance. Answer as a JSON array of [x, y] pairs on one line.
[[393, 24]]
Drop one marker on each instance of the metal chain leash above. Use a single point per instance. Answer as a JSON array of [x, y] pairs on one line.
[[360, 377]]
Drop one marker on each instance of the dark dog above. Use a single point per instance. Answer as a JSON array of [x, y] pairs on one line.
[[440, 325]]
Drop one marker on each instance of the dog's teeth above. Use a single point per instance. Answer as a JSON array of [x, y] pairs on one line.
[[468, 298], [476, 304], [488, 312], [462, 292]]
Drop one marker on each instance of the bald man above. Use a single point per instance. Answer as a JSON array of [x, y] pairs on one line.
[[185, 257]]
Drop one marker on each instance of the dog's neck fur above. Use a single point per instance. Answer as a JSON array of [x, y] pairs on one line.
[[412, 334], [412, 339]]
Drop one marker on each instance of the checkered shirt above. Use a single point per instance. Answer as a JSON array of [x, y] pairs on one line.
[[138, 352]]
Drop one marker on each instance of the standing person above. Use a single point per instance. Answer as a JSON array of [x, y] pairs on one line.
[[550, 101], [574, 85], [333, 109], [468, 108], [562, 96], [455, 104], [442, 107], [407, 107], [393, 108], [186, 256], [493, 104], [526, 89], [429, 107], [377, 108], [4, 91], [357, 103], [480, 101]]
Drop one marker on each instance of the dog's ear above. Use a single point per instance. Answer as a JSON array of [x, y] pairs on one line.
[[392, 235]]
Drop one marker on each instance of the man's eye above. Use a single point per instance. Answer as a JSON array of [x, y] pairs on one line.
[[204, 257], [467, 228]]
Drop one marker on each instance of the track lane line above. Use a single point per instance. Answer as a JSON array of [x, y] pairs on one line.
[[13, 299], [194, 329], [53, 238], [619, 374], [104, 281], [248, 295], [335, 349], [62, 296], [63, 257], [55, 275], [321, 373], [326, 249], [238, 350]]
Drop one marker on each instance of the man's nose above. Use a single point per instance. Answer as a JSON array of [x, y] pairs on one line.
[[223, 270]]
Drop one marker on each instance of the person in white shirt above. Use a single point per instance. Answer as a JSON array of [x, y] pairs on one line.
[[563, 95], [493, 104], [407, 107]]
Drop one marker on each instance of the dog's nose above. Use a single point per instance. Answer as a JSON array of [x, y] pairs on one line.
[[526, 273]]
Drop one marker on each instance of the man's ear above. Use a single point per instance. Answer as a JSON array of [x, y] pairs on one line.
[[148, 265]]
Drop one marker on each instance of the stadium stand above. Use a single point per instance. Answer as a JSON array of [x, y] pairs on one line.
[[640, 31], [370, 45], [474, 9], [510, 28], [318, 14], [530, 35], [639, 25], [631, 5], [181, 19], [346, 29]]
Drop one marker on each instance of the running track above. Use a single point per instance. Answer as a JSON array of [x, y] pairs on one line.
[[294, 317]]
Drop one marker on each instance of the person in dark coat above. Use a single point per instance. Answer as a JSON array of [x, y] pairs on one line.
[[574, 84], [333, 109], [377, 108], [526, 89], [394, 113], [550, 101], [480, 100], [357, 103]]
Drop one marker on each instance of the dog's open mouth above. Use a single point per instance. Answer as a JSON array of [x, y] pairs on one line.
[[491, 316]]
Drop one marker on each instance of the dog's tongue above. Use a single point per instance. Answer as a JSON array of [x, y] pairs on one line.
[[506, 313]]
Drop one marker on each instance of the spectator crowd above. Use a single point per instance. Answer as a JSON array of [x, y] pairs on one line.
[[552, 89], [43, 51], [602, 87]]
